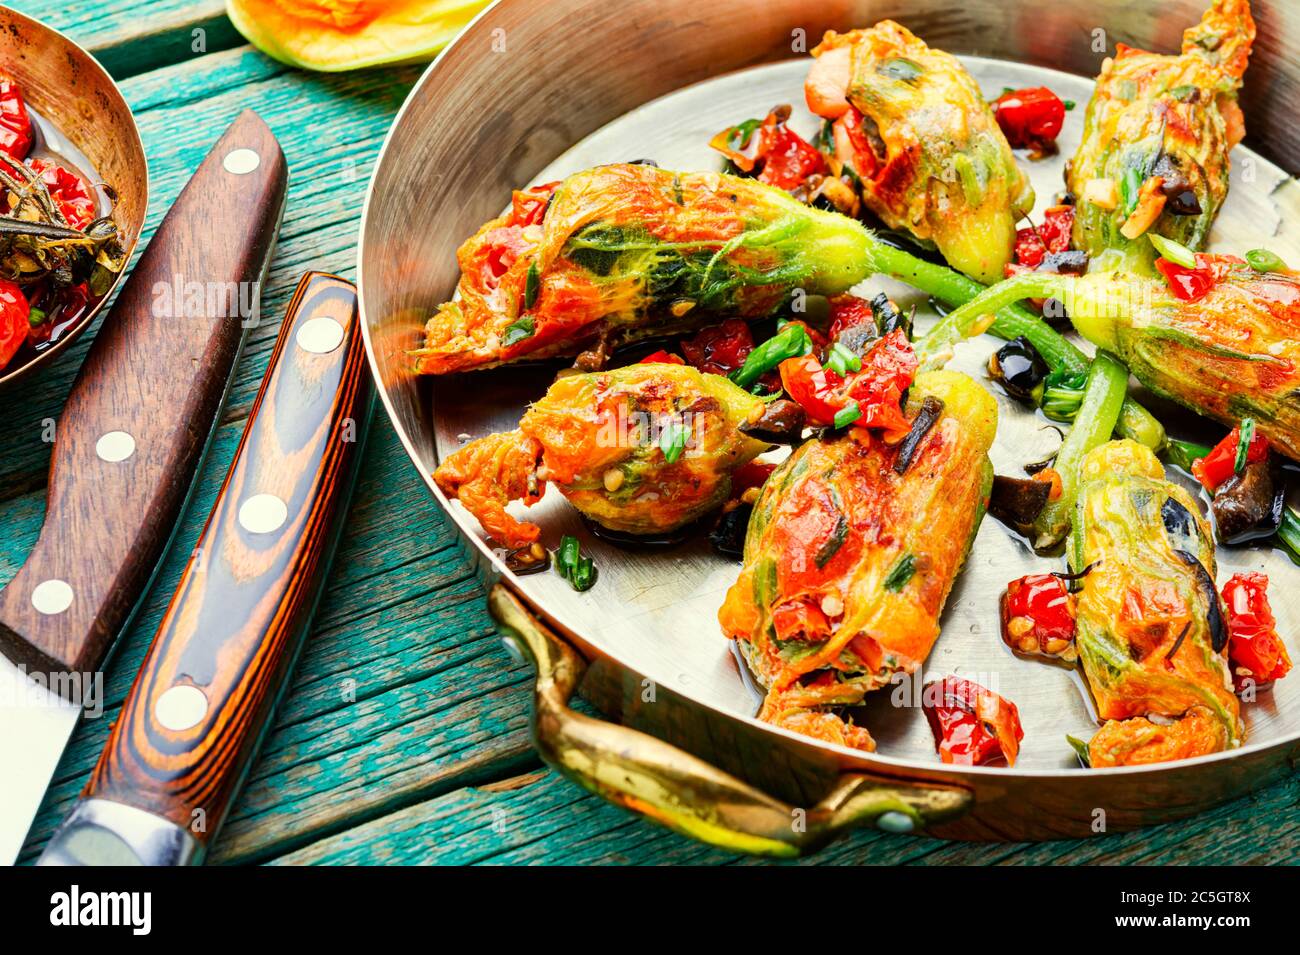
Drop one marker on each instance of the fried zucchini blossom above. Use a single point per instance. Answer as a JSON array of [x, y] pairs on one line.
[[642, 450], [924, 144], [626, 252], [1229, 351], [1151, 634], [1157, 133], [850, 555]]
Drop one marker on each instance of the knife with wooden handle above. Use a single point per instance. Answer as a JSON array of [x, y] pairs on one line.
[[128, 445], [192, 723]]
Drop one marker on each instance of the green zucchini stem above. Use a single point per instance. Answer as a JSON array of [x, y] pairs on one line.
[[1098, 415], [1010, 321]]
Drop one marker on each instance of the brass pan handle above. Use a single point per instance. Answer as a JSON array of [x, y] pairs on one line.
[[675, 789]]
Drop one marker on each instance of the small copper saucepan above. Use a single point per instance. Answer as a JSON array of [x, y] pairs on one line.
[[79, 117]]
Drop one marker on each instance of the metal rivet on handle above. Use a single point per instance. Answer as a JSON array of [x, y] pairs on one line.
[[262, 514], [181, 707], [52, 596], [115, 446], [241, 161], [898, 822], [320, 336]]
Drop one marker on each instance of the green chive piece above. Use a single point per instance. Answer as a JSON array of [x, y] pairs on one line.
[[1262, 260], [1247, 435], [900, 573], [790, 342], [532, 286], [35, 317], [848, 414], [519, 330], [1069, 105], [1175, 252], [672, 441]]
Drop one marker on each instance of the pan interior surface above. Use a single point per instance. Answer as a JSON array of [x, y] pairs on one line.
[[655, 609]]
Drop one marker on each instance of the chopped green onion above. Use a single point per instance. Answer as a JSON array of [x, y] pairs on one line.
[[1069, 104], [1080, 748], [672, 441], [566, 558], [519, 330], [847, 358], [584, 574], [35, 317], [572, 566], [532, 286], [790, 342], [1262, 260], [848, 414], [1130, 185], [1175, 252], [1062, 396], [1184, 454], [1245, 437], [900, 573]]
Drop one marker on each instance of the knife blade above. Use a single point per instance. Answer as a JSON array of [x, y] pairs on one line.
[[194, 719], [128, 445]]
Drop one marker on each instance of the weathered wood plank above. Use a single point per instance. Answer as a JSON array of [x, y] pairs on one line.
[[129, 38], [404, 691], [539, 818]]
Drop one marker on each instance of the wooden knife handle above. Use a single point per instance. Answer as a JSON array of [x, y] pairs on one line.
[[143, 407], [194, 718]]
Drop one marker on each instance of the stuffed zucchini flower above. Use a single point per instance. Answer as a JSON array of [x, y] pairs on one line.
[[916, 130], [852, 548], [1151, 634], [1157, 135], [642, 450]]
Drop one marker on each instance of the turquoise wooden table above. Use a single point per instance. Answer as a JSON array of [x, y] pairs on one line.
[[404, 737]]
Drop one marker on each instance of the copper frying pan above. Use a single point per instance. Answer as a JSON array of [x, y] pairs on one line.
[[81, 115], [531, 91]]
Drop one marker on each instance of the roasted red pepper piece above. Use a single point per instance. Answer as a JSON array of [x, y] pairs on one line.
[[972, 726], [787, 159], [848, 311], [1256, 654], [1192, 285], [662, 357], [887, 371], [14, 312], [15, 123], [800, 620], [528, 206], [1217, 466], [1038, 616], [1030, 118], [852, 145], [720, 349], [68, 192]]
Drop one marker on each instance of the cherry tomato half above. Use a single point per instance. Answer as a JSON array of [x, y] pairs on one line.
[[14, 311], [68, 192], [15, 123]]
